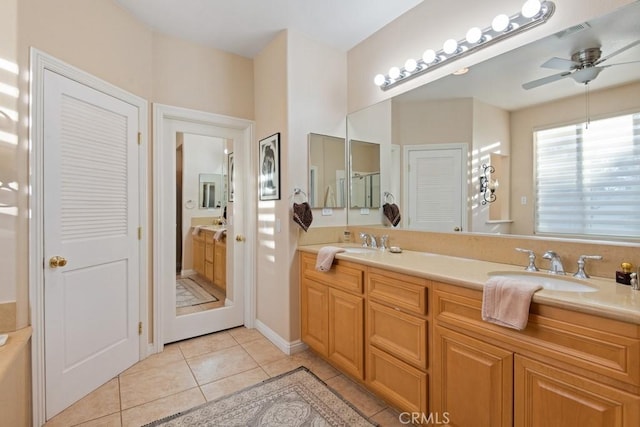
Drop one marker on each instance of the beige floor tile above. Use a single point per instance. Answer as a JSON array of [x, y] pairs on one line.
[[233, 383], [154, 383], [366, 402], [99, 403], [170, 354], [281, 366], [112, 420], [317, 365], [163, 407], [263, 351], [390, 418], [243, 335], [206, 344], [220, 364]]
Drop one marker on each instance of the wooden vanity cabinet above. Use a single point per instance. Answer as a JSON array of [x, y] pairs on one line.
[[332, 313], [198, 253], [209, 244], [397, 339], [220, 263], [565, 369], [210, 258]]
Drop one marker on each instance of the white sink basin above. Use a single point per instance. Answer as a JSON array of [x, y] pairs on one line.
[[360, 250], [548, 281]]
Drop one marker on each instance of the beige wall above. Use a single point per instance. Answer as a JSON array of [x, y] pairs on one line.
[[430, 23], [569, 110]]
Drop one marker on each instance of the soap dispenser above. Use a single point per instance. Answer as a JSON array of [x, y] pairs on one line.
[[624, 276]]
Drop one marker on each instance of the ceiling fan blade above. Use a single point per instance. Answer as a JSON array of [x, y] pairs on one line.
[[545, 80], [560, 64], [619, 51], [620, 63]]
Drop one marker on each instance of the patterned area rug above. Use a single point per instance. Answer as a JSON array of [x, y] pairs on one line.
[[189, 293], [296, 398]]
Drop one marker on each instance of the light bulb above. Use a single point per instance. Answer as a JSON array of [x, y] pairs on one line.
[[429, 56], [394, 72], [500, 23], [450, 46], [411, 65], [379, 79], [531, 8], [474, 35]]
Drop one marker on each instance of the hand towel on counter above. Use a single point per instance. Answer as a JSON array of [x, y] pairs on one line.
[[506, 301], [325, 257], [302, 215], [219, 233], [196, 230], [392, 212]]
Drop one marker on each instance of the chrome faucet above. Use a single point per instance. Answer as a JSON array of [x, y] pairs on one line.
[[581, 274], [368, 240], [556, 263], [372, 241], [532, 259], [384, 239]]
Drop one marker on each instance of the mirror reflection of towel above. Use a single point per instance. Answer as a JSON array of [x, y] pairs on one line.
[[392, 212], [302, 215]]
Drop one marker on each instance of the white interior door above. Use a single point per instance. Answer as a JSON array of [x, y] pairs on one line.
[[436, 188], [91, 248], [185, 326]]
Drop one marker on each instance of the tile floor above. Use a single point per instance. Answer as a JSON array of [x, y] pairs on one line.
[[191, 372]]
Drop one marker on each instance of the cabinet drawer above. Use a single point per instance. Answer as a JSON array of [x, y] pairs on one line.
[[398, 333], [397, 382], [583, 343], [343, 275], [398, 290]]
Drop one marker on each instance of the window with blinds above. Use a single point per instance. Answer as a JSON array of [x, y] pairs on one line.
[[588, 178]]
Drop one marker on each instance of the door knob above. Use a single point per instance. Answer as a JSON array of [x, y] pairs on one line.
[[240, 238], [57, 261], [457, 229]]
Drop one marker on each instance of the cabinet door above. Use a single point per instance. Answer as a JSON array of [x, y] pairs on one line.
[[198, 255], [314, 307], [472, 381], [548, 397], [220, 265], [346, 331]]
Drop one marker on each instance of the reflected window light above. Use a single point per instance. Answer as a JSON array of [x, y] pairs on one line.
[[9, 90], [268, 244], [269, 231], [9, 66], [8, 113], [271, 258], [267, 217], [9, 138]]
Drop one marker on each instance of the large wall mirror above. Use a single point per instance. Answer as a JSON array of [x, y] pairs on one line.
[[489, 115], [364, 159], [327, 175]]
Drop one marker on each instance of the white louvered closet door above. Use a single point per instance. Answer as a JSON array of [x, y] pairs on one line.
[[435, 189], [91, 220]]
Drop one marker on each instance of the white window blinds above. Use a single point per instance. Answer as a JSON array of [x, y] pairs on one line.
[[588, 179]]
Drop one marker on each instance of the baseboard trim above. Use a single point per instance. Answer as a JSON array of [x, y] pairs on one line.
[[287, 347]]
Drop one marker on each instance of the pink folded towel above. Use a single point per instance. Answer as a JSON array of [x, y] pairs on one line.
[[506, 302], [325, 257]]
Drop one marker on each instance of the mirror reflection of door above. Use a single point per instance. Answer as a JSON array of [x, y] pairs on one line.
[[201, 187]]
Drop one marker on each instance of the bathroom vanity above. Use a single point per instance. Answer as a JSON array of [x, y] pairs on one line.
[[210, 256], [408, 326]]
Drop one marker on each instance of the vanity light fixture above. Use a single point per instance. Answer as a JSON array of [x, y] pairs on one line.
[[532, 14], [488, 186]]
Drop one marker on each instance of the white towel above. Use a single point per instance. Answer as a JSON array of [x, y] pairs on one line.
[[196, 230], [325, 257], [219, 233], [506, 301]]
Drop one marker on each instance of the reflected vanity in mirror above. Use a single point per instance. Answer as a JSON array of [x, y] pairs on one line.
[[492, 118], [327, 174], [364, 158]]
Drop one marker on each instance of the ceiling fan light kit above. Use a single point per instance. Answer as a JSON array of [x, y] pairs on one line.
[[532, 14]]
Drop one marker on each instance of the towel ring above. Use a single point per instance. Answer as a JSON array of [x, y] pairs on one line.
[[388, 195], [190, 204], [297, 192]]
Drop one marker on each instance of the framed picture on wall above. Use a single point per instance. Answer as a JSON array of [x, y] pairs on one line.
[[270, 168], [230, 170]]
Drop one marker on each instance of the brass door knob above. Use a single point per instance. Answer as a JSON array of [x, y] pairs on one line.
[[240, 238], [57, 261]]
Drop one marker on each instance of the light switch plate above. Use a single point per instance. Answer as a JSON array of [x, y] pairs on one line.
[[327, 211]]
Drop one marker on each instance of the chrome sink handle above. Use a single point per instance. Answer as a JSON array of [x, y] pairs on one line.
[[581, 274], [532, 259]]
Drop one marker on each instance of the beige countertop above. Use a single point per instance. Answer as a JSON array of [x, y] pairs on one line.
[[210, 227], [610, 300]]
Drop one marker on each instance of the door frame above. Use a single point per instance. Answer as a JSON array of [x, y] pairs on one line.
[[464, 194], [39, 62], [161, 228]]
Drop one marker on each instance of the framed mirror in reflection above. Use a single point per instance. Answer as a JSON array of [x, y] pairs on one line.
[[365, 174], [327, 173], [488, 111]]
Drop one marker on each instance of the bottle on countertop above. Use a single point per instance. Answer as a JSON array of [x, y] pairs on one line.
[[624, 276]]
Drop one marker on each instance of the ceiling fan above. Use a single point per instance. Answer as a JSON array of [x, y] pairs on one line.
[[583, 67]]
